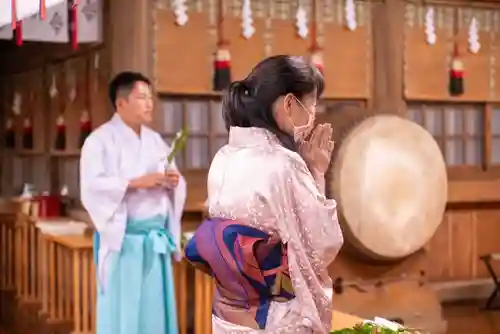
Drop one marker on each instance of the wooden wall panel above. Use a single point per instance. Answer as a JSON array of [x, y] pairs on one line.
[[245, 53], [348, 67], [426, 66], [451, 255], [495, 57], [285, 40], [183, 56], [348, 55]]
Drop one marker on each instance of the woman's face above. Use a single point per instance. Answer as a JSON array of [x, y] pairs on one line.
[[292, 112]]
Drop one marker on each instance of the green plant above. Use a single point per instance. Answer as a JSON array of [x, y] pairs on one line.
[[369, 328]]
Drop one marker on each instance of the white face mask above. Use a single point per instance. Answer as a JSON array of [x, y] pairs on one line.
[[300, 132]]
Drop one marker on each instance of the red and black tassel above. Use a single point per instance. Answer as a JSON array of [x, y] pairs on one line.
[[10, 134], [85, 127], [456, 85], [73, 23], [43, 10], [17, 25], [456, 73], [222, 57], [60, 142], [316, 53], [27, 134]]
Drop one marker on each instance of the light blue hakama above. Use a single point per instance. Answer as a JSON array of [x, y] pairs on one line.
[[138, 295]]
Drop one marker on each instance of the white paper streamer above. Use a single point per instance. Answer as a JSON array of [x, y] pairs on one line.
[[350, 15], [16, 104], [247, 20], [180, 12], [430, 27], [53, 87], [474, 45], [301, 22]]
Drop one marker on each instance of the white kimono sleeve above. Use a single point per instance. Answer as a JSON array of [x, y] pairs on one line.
[[102, 194], [309, 226]]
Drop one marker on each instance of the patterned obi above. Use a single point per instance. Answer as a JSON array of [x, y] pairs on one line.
[[250, 268]]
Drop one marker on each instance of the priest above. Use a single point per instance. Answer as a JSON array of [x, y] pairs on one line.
[[135, 197]]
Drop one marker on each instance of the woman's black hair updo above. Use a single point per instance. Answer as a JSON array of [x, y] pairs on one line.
[[249, 102]]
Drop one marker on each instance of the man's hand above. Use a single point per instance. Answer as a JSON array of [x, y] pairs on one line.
[[172, 177], [148, 181]]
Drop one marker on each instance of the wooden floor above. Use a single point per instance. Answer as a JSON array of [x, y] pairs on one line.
[[468, 318]]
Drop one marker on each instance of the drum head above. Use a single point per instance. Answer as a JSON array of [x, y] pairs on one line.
[[389, 180]]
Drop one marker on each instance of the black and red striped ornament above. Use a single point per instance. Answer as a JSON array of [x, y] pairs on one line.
[[222, 69], [456, 85], [222, 57], [27, 134], [85, 127], [10, 134], [60, 140]]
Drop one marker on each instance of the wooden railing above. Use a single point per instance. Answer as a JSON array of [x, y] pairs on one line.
[[54, 287]]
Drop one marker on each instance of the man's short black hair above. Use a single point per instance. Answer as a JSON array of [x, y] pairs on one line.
[[123, 83]]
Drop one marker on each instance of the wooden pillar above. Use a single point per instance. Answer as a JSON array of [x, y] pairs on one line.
[[131, 36], [388, 41]]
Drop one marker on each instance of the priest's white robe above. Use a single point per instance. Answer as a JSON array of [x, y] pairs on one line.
[[137, 230]]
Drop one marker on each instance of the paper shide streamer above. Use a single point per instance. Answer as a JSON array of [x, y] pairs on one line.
[[430, 27], [301, 21], [180, 12], [248, 30]]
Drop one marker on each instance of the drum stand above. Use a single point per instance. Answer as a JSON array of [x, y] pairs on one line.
[[487, 259]]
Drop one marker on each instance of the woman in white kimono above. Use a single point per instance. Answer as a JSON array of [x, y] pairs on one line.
[[271, 232]]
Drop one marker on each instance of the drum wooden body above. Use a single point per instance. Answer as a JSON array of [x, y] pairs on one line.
[[389, 180]]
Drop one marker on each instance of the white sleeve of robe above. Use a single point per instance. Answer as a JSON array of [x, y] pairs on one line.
[[177, 199], [102, 193]]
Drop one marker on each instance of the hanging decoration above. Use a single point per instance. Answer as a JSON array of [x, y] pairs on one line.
[[473, 36], [60, 142], [222, 62], [71, 82], [96, 70], [85, 122], [301, 21], [43, 10], [315, 49], [16, 104], [456, 72], [248, 30], [10, 134], [85, 127], [180, 12], [73, 23], [53, 87], [27, 133], [17, 25], [350, 15], [430, 27]]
